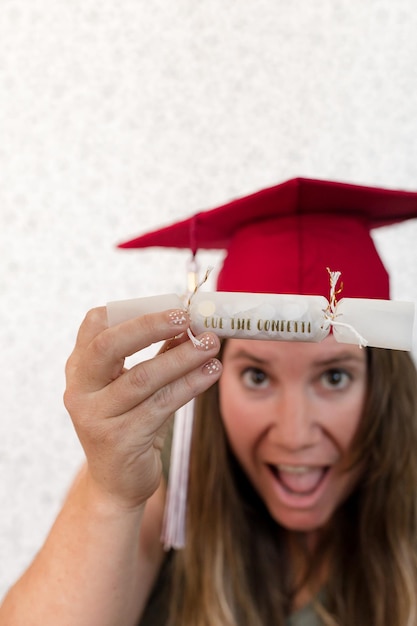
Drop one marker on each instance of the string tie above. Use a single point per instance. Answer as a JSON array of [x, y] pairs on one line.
[[330, 314], [196, 342]]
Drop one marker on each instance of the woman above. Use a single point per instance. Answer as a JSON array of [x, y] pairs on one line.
[[321, 505], [303, 472]]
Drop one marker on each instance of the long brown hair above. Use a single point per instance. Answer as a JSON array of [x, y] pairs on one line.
[[235, 568]]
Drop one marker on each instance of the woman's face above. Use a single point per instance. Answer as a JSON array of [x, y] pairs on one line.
[[291, 411]]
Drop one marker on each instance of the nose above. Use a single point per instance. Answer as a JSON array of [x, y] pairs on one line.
[[295, 425]]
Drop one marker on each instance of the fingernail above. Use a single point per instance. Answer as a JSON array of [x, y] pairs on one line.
[[178, 317], [212, 367], [206, 342]]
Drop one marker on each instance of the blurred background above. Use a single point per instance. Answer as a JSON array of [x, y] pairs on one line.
[[118, 117]]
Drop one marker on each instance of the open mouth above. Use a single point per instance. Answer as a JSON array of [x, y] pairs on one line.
[[300, 480]]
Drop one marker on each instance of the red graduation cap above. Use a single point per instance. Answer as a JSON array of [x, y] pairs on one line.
[[282, 239]]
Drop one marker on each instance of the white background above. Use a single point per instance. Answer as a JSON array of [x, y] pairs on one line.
[[118, 117]]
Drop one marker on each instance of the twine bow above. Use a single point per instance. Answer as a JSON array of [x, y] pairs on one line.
[[196, 342], [330, 313]]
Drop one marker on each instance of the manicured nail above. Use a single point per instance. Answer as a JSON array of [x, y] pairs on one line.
[[178, 317], [212, 367], [206, 342]]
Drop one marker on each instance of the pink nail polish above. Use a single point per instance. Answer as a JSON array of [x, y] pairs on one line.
[[178, 317], [206, 342], [212, 367]]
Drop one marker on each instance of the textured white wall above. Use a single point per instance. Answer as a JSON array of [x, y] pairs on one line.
[[116, 117]]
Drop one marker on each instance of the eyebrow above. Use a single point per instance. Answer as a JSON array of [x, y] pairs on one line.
[[341, 358], [242, 354], [324, 362]]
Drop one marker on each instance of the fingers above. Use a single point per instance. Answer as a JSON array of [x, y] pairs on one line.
[[168, 399], [94, 322], [170, 379], [159, 386], [100, 351]]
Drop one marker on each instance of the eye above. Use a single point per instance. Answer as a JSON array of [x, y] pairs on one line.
[[335, 379], [254, 377]]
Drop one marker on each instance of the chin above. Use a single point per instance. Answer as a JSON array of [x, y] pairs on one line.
[[303, 522]]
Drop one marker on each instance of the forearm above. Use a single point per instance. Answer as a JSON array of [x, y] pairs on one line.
[[89, 572]]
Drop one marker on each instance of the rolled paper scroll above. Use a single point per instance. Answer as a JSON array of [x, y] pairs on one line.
[[259, 316], [383, 323], [122, 310], [379, 323]]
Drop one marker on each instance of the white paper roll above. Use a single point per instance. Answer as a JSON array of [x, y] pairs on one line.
[[259, 316], [122, 310], [378, 323], [382, 323]]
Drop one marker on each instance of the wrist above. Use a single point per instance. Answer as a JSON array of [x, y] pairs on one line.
[[104, 502]]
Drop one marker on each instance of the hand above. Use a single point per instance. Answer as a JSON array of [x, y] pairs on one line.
[[121, 415]]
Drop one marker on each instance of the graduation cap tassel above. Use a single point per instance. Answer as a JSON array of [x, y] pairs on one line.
[[173, 531], [192, 274]]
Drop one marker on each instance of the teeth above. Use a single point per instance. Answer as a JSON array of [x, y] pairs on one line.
[[295, 469], [300, 480]]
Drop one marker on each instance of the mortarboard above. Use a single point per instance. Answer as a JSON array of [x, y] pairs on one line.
[[282, 239]]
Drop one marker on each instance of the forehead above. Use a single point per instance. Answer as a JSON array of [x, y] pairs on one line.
[[280, 351]]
